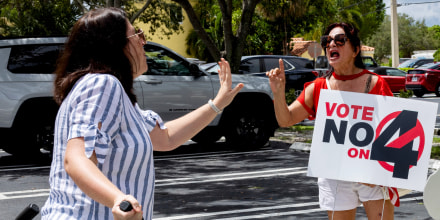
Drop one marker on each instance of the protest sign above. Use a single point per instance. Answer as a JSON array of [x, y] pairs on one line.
[[372, 139]]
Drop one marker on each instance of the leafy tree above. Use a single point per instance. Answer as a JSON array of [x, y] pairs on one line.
[[435, 32], [234, 39], [56, 17], [293, 18], [275, 22], [36, 18], [413, 35], [365, 15]]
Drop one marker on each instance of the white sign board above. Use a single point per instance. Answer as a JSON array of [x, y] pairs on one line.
[[372, 139]]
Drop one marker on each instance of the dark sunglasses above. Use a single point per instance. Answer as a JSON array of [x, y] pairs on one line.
[[140, 34], [339, 39]]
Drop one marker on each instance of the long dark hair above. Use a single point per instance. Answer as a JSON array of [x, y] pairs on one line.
[[95, 45], [352, 34]]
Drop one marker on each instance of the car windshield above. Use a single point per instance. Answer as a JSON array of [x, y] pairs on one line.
[[407, 63], [214, 69], [428, 66]]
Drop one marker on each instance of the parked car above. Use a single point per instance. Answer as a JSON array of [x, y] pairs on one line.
[[298, 70], [207, 66], [172, 87], [414, 63], [401, 60], [425, 79], [369, 62], [322, 65], [394, 77]]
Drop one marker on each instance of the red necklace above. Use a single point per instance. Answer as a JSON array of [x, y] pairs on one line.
[[348, 77]]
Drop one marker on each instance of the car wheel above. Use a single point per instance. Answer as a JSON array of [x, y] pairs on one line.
[[27, 141], [437, 90], [248, 130], [419, 93], [207, 136], [32, 130]]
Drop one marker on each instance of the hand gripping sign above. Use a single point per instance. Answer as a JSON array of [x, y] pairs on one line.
[[372, 139]]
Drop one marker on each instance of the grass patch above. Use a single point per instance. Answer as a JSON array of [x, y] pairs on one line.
[[435, 153], [298, 128], [301, 128]]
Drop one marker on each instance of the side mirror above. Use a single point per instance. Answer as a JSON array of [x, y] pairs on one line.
[[194, 70]]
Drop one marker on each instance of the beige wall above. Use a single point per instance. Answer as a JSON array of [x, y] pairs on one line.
[[177, 42]]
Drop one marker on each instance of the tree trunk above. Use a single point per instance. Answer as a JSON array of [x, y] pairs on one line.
[[234, 44], [198, 28], [117, 3], [138, 13]]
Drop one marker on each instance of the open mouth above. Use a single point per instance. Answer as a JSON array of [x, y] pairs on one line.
[[334, 54]]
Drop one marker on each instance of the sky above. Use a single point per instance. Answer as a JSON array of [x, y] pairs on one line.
[[422, 9]]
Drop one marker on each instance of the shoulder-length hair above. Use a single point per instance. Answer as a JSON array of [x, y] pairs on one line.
[[352, 34], [95, 45]]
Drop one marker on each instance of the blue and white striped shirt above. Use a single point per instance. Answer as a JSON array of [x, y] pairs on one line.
[[123, 147]]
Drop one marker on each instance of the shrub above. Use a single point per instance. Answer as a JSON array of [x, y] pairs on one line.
[[290, 96], [406, 94]]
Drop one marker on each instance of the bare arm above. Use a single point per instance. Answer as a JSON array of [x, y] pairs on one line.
[[184, 128], [287, 115], [93, 182]]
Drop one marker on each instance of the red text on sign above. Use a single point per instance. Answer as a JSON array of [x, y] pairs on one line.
[[343, 110], [359, 152]]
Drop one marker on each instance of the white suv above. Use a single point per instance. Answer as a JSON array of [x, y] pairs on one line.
[[172, 87]]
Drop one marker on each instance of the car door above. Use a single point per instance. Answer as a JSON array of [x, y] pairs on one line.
[[169, 87], [396, 79]]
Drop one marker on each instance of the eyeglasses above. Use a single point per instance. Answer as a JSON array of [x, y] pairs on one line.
[[339, 39], [140, 34]]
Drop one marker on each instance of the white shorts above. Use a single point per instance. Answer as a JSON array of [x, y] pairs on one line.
[[338, 195]]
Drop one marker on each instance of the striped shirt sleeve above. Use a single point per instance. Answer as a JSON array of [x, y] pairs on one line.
[[151, 119], [96, 113]]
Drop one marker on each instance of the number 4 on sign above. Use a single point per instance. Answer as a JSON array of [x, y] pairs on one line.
[[400, 150]]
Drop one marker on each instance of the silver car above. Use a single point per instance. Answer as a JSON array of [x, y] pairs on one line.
[[172, 87]]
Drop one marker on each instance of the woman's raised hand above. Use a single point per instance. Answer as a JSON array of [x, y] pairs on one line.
[[226, 93], [277, 78]]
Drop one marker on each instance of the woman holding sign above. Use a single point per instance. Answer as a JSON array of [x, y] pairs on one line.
[[347, 73]]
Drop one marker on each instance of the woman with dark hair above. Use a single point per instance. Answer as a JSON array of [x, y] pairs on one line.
[[342, 48], [103, 146]]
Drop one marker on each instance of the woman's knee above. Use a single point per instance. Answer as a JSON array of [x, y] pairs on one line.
[[379, 209]]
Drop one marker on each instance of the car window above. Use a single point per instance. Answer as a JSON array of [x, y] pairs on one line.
[[407, 63], [421, 62], [250, 66], [272, 63], [433, 66], [322, 62], [162, 62], [395, 72], [379, 71], [427, 66], [368, 62], [33, 58]]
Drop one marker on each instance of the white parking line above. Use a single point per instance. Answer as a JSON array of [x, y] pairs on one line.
[[24, 194], [262, 216], [268, 208], [177, 181], [231, 176], [210, 154], [266, 216]]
